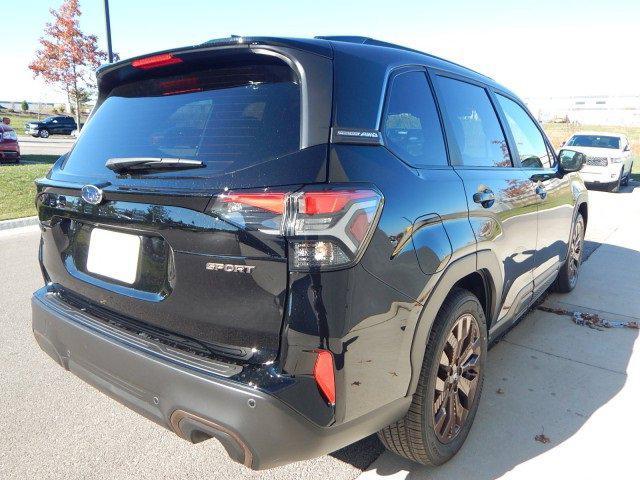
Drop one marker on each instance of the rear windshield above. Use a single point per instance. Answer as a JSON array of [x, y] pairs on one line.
[[598, 141], [229, 118]]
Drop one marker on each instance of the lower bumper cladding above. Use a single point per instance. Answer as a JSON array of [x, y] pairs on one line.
[[195, 400]]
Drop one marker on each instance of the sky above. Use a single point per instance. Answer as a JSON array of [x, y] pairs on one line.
[[536, 48]]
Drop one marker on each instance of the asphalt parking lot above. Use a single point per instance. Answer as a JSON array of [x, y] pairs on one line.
[[577, 386]]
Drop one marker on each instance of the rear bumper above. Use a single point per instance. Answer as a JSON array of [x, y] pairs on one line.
[[195, 401], [9, 151]]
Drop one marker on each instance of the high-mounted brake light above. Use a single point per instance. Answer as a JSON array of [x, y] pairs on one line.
[[324, 376], [180, 85], [155, 61], [326, 229]]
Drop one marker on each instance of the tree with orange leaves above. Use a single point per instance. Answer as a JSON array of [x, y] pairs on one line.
[[67, 57]]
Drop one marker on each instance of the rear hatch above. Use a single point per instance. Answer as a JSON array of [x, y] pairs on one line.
[[174, 140]]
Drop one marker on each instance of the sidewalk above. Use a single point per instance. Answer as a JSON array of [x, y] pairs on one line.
[[578, 386]]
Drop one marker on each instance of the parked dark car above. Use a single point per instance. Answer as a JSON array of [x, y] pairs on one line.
[[9, 147], [55, 125], [288, 245]]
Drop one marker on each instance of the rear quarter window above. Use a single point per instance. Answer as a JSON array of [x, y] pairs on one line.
[[411, 126]]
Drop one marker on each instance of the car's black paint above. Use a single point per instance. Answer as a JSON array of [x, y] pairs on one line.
[[376, 316]]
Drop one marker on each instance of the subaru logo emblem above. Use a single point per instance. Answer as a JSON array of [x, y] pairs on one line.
[[91, 194]]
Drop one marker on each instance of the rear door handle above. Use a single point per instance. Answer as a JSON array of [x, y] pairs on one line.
[[484, 198], [541, 192]]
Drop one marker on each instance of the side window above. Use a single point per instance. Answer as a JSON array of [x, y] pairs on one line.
[[532, 149], [411, 127], [474, 124]]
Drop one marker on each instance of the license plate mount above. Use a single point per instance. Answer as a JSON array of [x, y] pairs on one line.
[[114, 255]]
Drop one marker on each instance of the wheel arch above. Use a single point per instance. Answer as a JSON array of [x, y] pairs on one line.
[[583, 209], [481, 278]]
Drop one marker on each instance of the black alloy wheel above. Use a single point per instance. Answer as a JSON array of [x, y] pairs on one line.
[[457, 381]]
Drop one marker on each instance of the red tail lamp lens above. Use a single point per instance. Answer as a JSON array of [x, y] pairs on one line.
[[156, 61], [329, 202], [324, 376], [271, 202]]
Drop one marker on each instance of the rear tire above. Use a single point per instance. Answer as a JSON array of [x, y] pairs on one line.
[[425, 435], [625, 182], [615, 187], [568, 275]]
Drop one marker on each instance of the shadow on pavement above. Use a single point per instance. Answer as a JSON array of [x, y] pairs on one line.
[[360, 454], [547, 376], [628, 189]]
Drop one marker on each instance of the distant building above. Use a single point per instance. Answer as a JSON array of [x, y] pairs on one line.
[[43, 107], [33, 106], [588, 110]]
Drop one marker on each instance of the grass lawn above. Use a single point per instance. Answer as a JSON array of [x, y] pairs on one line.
[[17, 191], [560, 132]]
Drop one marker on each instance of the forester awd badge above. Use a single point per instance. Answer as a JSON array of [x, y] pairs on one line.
[[228, 267]]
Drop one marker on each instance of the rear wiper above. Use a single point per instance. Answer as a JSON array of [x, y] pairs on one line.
[[150, 163]]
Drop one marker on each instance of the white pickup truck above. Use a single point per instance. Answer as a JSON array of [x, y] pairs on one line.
[[609, 161]]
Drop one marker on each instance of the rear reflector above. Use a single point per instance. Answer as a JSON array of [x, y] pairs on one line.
[[155, 61], [324, 376]]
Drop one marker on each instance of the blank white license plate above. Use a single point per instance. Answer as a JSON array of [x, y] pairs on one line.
[[114, 255]]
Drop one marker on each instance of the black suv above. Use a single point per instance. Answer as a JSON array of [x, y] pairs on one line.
[[289, 245], [61, 125]]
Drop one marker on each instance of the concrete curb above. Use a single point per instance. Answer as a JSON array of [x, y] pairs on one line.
[[18, 222]]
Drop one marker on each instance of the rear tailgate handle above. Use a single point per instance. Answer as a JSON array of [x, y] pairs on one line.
[[485, 198]]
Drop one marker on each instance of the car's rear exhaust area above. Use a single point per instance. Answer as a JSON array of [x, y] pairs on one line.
[[196, 429]]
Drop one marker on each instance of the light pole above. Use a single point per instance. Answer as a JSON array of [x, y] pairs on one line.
[[106, 16]]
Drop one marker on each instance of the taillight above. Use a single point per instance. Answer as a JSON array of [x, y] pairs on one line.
[[261, 211], [155, 61], [326, 229], [324, 376], [330, 228]]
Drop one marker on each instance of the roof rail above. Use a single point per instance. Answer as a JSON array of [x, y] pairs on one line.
[[380, 43]]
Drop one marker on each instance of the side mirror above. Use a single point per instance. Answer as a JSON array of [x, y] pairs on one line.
[[562, 144], [571, 161], [626, 148]]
